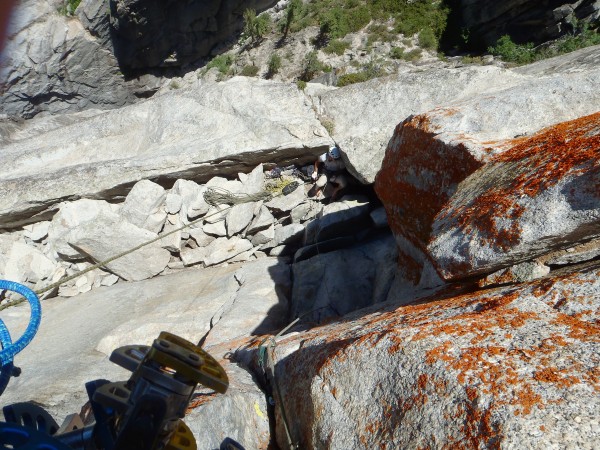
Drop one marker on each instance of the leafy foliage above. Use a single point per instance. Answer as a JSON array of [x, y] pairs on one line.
[[397, 53], [511, 52], [427, 39], [369, 71], [312, 66], [274, 65], [336, 46], [338, 22], [68, 7], [249, 71], [256, 27], [413, 17], [527, 53], [221, 62]]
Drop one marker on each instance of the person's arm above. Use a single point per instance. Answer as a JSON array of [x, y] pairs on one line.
[[315, 173]]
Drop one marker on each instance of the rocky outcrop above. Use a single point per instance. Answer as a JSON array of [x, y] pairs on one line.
[[73, 342], [524, 20], [362, 115], [53, 64], [158, 33], [195, 133], [478, 326], [158, 231], [515, 367], [57, 63], [491, 192]]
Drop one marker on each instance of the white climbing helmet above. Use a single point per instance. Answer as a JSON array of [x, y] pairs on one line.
[[334, 152]]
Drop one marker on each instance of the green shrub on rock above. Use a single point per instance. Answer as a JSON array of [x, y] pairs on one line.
[[249, 71], [221, 62]]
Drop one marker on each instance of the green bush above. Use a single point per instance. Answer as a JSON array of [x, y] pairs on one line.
[[249, 71], [411, 18], [337, 22], [511, 52], [427, 39], [397, 53], [471, 59], [351, 78], [369, 71], [274, 64], [256, 27], [292, 10], [68, 7], [301, 84], [221, 62], [336, 46], [379, 33], [413, 55], [526, 53], [312, 66]]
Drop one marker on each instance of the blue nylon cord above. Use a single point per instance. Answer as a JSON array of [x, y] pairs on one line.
[[6, 370], [10, 349]]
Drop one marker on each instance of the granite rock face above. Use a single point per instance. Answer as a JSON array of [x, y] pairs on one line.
[[54, 65], [222, 128], [513, 367]]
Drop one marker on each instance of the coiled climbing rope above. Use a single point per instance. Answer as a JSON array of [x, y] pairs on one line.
[[9, 348]]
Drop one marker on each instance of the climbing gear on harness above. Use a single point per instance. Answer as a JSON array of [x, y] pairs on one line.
[[143, 413]]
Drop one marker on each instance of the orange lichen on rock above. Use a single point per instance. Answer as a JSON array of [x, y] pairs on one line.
[[416, 176], [558, 377], [486, 357], [566, 148], [527, 168]]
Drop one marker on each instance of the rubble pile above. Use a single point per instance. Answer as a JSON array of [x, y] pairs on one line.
[[261, 213]]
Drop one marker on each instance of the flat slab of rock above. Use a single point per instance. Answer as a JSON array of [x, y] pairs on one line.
[[77, 334], [103, 238], [246, 120]]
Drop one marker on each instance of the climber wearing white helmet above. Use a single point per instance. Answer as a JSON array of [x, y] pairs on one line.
[[332, 179]]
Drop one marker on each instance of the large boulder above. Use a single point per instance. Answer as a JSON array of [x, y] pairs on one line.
[[479, 185], [515, 367], [227, 128]]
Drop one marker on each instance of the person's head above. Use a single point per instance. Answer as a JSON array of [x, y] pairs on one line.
[[334, 152]]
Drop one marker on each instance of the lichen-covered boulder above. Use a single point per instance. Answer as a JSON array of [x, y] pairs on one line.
[[513, 367], [481, 185]]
